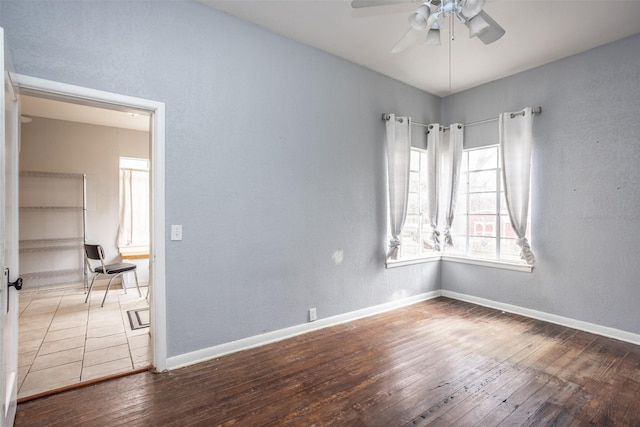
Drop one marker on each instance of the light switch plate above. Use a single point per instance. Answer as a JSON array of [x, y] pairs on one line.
[[176, 232]]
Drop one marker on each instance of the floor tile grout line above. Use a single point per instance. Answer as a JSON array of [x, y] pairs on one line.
[[91, 307]]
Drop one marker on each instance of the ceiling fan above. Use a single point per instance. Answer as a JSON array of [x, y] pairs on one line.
[[431, 16]]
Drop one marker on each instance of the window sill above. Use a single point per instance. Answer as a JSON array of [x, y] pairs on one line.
[[412, 261], [503, 265], [134, 252]]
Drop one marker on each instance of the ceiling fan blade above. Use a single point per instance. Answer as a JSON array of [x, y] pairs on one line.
[[411, 37], [356, 4], [493, 33]]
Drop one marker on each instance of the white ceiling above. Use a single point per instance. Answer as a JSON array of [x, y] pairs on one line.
[[537, 32], [52, 109]]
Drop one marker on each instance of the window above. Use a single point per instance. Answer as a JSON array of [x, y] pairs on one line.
[[481, 227], [133, 235], [416, 234]]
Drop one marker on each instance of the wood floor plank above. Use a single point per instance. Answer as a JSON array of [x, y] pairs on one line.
[[437, 363]]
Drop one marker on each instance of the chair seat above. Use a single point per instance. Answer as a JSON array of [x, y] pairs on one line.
[[120, 267]]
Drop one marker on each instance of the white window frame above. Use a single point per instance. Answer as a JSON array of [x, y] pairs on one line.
[[133, 164], [507, 264]]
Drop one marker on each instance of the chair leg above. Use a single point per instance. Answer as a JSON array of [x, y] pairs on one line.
[[148, 291], [107, 291], [135, 274], [90, 287]]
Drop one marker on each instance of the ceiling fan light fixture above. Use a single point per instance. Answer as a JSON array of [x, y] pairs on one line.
[[477, 26], [433, 37], [419, 18], [493, 33], [471, 8]]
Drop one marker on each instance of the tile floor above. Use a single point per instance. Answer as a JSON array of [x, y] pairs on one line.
[[63, 341]]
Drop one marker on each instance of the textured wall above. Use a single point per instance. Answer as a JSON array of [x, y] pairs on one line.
[[585, 175], [274, 153]]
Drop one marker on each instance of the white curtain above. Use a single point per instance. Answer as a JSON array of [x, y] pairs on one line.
[[398, 141], [434, 142], [451, 157], [444, 157], [515, 145], [126, 210], [134, 208]]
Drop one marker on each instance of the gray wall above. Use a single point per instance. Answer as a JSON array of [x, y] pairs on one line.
[[274, 155], [585, 180]]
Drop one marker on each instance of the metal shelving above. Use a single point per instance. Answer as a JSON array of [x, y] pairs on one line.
[[54, 226]]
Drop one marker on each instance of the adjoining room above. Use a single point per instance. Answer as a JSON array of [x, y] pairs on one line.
[[84, 178]]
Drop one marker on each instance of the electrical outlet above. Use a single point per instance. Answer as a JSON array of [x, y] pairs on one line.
[[312, 314]]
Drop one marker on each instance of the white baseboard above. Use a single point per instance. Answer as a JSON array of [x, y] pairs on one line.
[[205, 354], [282, 334], [547, 317]]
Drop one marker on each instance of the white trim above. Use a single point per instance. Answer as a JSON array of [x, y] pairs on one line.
[[505, 265], [411, 261], [205, 354], [157, 111], [547, 317]]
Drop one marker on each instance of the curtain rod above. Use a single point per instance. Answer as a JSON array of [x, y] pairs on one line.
[[534, 110]]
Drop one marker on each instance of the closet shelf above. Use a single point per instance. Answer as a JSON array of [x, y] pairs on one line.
[[60, 208], [38, 174], [49, 249], [51, 241], [50, 209], [52, 274]]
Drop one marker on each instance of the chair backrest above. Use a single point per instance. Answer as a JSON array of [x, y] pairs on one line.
[[94, 252]]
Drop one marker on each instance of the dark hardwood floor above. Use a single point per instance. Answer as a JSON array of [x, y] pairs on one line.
[[440, 362]]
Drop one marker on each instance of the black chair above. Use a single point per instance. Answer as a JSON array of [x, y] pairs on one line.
[[96, 253]]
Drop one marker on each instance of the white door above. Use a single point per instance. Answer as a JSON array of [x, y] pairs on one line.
[[8, 240]]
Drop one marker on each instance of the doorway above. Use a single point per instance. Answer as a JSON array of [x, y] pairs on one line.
[[98, 337]]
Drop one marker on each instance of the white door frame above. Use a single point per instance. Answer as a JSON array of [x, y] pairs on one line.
[[63, 91], [9, 131]]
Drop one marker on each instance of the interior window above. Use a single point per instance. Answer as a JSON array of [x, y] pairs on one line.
[[133, 235]]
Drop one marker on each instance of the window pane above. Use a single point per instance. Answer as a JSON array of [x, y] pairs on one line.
[[482, 181], [409, 245], [464, 167], [414, 182], [486, 158], [503, 205], [134, 163], [482, 203], [462, 184], [461, 204], [459, 225], [482, 225], [413, 203], [509, 250], [411, 223], [414, 163], [482, 247], [507, 230], [423, 161], [459, 245], [426, 243]]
